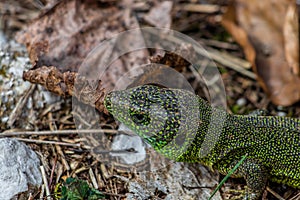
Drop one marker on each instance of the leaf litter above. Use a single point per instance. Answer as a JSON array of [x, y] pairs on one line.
[[58, 41]]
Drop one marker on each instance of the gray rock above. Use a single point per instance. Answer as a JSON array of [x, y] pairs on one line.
[[125, 142], [173, 181], [19, 166]]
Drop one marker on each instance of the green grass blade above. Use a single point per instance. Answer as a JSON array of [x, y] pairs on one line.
[[227, 176]]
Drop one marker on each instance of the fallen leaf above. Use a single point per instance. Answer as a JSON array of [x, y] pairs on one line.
[[268, 33], [72, 29], [60, 40]]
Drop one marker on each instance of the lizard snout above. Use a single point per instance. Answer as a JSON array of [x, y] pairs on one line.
[[116, 101], [107, 102]]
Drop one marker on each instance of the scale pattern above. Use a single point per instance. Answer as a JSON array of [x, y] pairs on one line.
[[185, 128]]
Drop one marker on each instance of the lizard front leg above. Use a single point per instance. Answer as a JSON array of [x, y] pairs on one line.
[[255, 174]]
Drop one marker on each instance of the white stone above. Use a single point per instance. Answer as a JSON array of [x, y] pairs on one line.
[[19, 166]]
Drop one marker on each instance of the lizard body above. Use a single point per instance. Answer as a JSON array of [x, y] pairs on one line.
[[176, 123]]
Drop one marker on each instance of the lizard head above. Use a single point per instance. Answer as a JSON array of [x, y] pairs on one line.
[[150, 111]]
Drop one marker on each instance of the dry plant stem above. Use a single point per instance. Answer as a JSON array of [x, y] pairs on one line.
[[93, 178], [201, 8], [30, 197], [42, 192], [274, 193], [76, 165], [49, 142], [219, 44], [112, 194], [62, 156], [99, 179], [104, 171], [230, 63], [58, 132], [53, 170], [15, 114], [82, 169], [59, 172], [239, 61], [219, 57], [296, 197], [68, 84], [45, 182]]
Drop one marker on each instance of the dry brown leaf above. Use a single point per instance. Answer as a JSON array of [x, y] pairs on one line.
[[59, 40], [270, 28], [72, 29], [173, 59], [37, 50]]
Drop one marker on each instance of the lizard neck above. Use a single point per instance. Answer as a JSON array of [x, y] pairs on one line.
[[211, 125]]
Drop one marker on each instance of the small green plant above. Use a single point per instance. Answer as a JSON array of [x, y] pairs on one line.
[[76, 189]]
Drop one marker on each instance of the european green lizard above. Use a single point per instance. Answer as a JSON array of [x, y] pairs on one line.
[[166, 118]]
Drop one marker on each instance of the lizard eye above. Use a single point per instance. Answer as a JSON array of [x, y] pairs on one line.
[[140, 119]]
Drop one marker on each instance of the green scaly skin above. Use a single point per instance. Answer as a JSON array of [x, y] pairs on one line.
[[177, 123]]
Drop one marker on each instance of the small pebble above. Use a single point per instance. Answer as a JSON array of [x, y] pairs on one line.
[[281, 114], [280, 108], [241, 102], [4, 119]]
